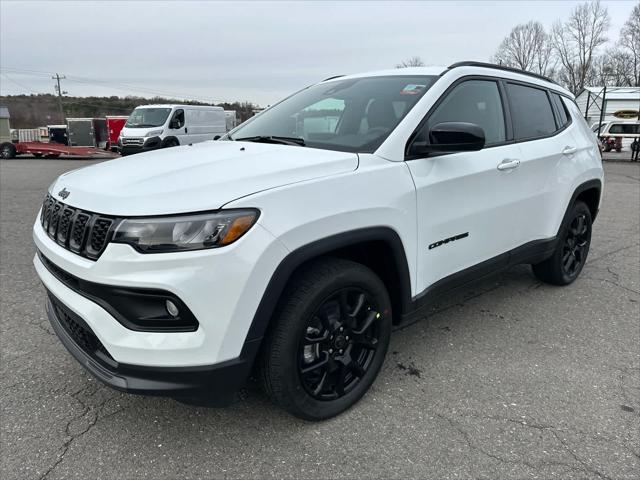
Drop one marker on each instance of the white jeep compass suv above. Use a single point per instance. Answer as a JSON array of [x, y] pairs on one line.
[[292, 246]]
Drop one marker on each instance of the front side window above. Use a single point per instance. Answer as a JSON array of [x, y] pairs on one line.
[[473, 101], [531, 112], [178, 119], [148, 117], [353, 115]]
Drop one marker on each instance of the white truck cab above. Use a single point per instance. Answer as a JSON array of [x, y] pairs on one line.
[[159, 126]]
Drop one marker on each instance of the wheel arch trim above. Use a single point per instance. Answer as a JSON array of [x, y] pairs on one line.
[[318, 248], [168, 139], [593, 184]]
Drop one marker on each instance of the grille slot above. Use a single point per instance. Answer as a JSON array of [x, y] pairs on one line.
[[54, 218], [79, 231], [137, 141], [63, 226], [99, 233]]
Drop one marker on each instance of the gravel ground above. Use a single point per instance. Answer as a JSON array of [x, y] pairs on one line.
[[509, 378]]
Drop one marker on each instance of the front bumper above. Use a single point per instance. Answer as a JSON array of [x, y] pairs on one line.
[[221, 287], [217, 384]]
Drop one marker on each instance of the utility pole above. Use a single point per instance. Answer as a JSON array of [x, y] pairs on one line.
[[58, 77]]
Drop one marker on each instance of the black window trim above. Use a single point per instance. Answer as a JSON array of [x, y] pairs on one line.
[[506, 110]]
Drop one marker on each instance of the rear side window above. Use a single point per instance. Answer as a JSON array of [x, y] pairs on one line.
[[561, 109], [625, 128], [531, 112]]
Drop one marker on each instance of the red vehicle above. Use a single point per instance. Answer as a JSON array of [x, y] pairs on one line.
[[114, 125]]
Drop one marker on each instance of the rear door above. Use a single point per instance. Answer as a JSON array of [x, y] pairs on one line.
[[541, 128], [464, 202], [81, 133]]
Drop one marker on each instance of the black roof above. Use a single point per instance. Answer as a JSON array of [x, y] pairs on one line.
[[501, 67]]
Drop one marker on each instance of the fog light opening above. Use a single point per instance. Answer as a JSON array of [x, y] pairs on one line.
[[171, 308]]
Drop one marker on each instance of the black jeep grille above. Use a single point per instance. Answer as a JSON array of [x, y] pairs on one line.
[[79, 231], [80, 332]]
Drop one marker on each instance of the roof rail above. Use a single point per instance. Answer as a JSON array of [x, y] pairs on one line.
[[502, 67], [331, 78]]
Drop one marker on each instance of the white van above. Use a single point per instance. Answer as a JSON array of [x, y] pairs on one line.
[[158, 126]]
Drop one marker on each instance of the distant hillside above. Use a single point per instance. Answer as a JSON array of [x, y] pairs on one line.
[[29, 111]]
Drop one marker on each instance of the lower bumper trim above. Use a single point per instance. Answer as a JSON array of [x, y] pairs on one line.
[[215, 385]]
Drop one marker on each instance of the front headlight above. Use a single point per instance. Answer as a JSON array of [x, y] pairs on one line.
[[185, 232], [153, 133]]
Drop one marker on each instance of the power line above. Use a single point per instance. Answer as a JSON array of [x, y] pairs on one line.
[[21, 85], [111, 84]]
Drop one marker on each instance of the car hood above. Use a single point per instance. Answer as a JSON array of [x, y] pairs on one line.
[[194, 178], [139, 132]]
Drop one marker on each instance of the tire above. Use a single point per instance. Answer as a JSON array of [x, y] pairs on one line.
[[308, 365], [7, 150], [37, 155], [171, 143], [571, 252]]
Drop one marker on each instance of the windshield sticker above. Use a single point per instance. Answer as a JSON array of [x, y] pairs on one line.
[[412, 89]]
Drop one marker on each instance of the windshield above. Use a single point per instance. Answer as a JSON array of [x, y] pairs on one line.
[[148, 117], [353, 115]]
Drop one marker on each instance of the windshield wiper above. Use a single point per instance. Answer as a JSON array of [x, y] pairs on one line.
[[274, 139]]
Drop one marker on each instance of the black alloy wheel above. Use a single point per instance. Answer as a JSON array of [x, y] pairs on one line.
[[7, 151], [328, 339], [572, 248], [339, 344], [576, 245]]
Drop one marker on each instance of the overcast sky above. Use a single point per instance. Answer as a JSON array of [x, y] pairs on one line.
[[253, 51]]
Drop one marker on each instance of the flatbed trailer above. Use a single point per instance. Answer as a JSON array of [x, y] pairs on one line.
[[50, 150]]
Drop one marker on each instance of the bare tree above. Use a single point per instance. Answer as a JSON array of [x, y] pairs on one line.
[[527, 47], [411, 62], [575, 43], [630, 43], [613, 69]]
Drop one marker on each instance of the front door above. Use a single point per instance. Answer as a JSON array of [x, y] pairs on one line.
[[178, 128], [464, 203]]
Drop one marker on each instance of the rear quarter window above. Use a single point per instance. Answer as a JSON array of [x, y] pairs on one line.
[[531, 112], [561, 110]]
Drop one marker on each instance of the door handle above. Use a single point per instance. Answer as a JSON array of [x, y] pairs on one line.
[[186, 130], [569, 150], [508, 164]]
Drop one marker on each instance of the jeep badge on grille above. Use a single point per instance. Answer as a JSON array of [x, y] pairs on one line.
[[64, 193]]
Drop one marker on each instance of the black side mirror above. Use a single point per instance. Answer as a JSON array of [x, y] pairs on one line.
[[451, 137], [217, 137]]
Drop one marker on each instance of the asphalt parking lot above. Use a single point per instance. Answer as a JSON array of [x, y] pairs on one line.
[[509, 378]]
